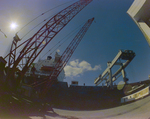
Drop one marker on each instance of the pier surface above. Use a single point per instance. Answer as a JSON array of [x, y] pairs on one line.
[[136, 110]]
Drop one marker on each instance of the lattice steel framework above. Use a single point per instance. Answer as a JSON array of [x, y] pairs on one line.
[[70, 50], [34, 46]]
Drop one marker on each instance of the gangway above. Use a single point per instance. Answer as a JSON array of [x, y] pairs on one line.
[[108, 76]]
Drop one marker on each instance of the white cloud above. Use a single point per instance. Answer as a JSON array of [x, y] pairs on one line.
[[75, 68], [74, 63]]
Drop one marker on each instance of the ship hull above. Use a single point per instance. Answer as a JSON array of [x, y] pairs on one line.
[[92, 97], [62, 96]]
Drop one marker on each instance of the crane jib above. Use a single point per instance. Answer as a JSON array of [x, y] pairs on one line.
[[35, 45]]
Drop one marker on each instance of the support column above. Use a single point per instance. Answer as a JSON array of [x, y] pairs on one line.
[[110, 78], [124, 75]]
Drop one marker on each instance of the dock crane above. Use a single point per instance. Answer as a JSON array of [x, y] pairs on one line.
[[110, 77], [34, 45]]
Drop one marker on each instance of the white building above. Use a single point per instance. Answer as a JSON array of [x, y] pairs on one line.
[[140, 13]]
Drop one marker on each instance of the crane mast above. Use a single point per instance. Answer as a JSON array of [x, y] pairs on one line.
[[34, 45], [70, 50]]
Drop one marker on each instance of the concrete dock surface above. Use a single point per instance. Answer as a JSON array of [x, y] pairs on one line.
[[136, 110]]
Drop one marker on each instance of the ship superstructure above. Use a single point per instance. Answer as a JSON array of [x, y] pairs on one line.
[[45, 68]]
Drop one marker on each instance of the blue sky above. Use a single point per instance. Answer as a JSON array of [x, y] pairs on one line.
[[112, 30]]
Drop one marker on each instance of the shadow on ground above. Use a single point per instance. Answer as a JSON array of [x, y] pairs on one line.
[[14, 109]]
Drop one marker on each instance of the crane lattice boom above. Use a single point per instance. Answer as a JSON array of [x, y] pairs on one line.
[[70, 50], [34, 46]]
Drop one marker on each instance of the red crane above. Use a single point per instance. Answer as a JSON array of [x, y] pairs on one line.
[[70, 50], [34, 45]]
